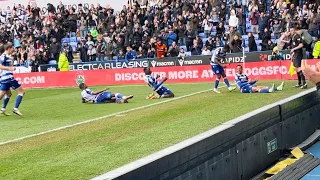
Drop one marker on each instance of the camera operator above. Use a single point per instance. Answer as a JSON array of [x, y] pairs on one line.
[[276, 55]]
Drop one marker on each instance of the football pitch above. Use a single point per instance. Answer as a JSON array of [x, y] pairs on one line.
[[110, 135]]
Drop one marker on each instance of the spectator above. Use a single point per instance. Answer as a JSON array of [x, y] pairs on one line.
[[276, 29], [252, 43], [110, 50], [68, 49], [101, 49], [190, 35], [233, 21], [312, 25], [161, 49], [54, 49], [283, 41], [173, 50], [206, 51], [131, 54], [121, 55], [83, 50], [196, 49], [182, 54], [210, 44], [267, 46], [218, 43], [220, 30], [151, 53], [83, 27], [92, 53], [172, 37], [140, 53], [265, 36], [276, 55], [263, 23], [242, 22], [254, 22], [94, 33], [207, 25], [236, 44]]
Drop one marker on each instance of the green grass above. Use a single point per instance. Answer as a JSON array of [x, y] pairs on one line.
[[88, 150]]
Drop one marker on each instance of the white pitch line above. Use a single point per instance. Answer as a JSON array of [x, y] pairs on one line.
[[103, 117]]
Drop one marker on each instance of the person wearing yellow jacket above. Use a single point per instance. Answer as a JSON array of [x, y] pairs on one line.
[[316, 50], [63, 63]]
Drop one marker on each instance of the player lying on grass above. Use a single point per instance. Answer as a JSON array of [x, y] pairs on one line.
[[162, 92], [218, 56], [102, 96], [249, 86]]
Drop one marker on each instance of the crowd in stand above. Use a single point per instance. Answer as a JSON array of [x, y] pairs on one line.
[[173, 28]]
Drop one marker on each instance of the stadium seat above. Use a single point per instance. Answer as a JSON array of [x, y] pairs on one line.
[[258, 42], [259, 48], [73, 39], [201, 35], [256, 36], [213, 33], [52, 62], [74, 46], [214, 28], [184, 47], [188, 53], [66, 40], [245, 37]]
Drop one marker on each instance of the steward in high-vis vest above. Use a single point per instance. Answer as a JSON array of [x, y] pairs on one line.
[[316, 50], [63, 63]]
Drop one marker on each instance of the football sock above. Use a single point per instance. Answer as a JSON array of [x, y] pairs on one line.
[[216, 84], [227, 82], [5, 102], [118, 95], [303, 78], [18, 101], [299, 78], [265, 90]]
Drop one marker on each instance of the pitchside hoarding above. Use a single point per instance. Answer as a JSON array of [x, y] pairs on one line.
[[166, 62], [176, 74]]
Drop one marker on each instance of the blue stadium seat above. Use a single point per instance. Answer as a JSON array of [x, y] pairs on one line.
[[73, 39], [184, 47], [201, 35], [245, 37], [188, 53], [74, 46], [66, 40], [259, 48]]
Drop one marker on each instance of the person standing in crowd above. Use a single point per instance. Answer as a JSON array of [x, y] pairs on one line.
[[297, 56], [54, 49], [131, 55], [173, 50], [252, 43], [63, 63], [161, 49]]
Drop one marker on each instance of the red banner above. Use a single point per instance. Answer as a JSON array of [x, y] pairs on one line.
[[178, 74]]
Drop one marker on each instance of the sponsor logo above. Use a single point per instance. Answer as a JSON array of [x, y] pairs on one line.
[[189, 62], [80, 78], [153, 63], [52, 69]]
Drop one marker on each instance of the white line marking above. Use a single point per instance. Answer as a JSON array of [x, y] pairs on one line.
[[120, 115], [103, 117]]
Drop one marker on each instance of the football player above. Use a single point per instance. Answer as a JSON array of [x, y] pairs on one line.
[[162, 92], [249, 86], [103, 96], [218, 69]]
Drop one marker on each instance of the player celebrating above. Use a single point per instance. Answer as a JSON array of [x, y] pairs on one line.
[[7, 81], [162, 92], [102, 96], [219, 54], [249, 86]]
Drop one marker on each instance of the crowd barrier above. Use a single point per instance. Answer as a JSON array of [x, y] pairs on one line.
[[167, 62], [178, 74], [236, 150]]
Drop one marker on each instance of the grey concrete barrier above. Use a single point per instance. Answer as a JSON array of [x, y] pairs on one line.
[[235, 150]]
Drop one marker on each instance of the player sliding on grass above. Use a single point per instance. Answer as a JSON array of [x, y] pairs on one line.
[[102, 96], [162, 92], [218, 56], [249, 86]]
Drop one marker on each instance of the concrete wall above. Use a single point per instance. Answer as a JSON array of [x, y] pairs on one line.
[[235, 150]]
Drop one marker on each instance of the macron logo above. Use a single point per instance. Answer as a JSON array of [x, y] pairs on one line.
[[153, 63], [181, 61]]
